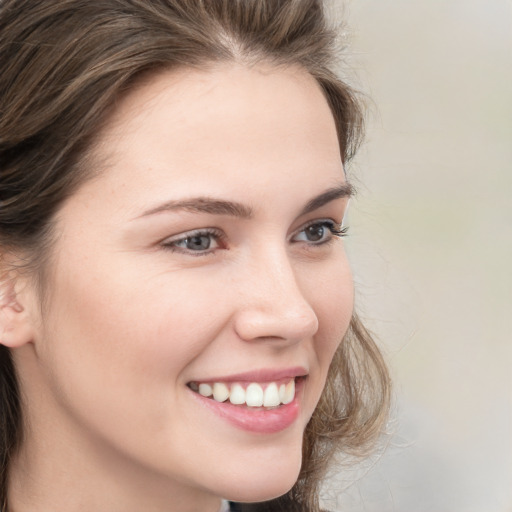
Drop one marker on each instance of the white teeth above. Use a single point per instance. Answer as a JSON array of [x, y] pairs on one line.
[[289, 393], [205, 390], [271, 396], [254, 395], [237, 395], [220, 392], [282, 392]]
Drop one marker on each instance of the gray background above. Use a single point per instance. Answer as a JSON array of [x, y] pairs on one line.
[[431, 249]]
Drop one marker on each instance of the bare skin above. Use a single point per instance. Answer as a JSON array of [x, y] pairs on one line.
[[192, 257]]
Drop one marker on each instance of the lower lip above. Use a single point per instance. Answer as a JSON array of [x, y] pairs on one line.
[[258, 420]]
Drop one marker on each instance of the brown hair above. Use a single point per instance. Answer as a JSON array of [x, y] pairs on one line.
[[64, 64]]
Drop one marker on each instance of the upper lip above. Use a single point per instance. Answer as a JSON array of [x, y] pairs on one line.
[[259, 375]]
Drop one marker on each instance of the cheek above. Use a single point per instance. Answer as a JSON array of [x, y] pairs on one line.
[[116, 354], [331, 295], [334, 304], [128, 327]]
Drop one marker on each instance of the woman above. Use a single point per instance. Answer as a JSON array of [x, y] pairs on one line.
[[176, 312]]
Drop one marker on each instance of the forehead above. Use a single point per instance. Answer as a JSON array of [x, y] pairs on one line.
[[218, 126], [229, 86]]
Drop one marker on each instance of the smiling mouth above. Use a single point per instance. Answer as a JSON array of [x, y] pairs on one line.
[[249, 394]]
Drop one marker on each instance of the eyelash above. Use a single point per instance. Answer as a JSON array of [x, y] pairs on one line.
[[335, 230], [217, 235]]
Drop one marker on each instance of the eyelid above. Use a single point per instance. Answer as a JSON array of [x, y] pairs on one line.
[[326, 220], [216, 234], [345, 213], [335, 228]]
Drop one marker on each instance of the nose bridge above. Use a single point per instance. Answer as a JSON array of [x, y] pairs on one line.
[[274, 304]]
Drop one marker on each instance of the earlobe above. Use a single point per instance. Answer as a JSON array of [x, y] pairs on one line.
[[15, 324]]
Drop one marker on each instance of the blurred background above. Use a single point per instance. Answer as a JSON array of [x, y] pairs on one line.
[[431, 249]]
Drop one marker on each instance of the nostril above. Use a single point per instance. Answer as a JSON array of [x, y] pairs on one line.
[[277, 324]]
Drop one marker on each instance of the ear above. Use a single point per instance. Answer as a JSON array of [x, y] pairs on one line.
[[16, 326]]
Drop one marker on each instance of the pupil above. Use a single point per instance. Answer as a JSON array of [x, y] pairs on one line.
[[198, 243], [315, 233]]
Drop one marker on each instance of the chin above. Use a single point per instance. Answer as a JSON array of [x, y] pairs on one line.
[[265, 483], [256, 493]]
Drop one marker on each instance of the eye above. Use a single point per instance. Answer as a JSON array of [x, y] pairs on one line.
[[196, 242], [320, 232]]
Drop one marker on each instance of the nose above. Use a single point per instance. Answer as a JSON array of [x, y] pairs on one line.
[[272, 305]]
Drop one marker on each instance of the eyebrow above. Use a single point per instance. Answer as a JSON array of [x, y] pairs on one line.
[[204, 205], [339, 192], [234, 209]]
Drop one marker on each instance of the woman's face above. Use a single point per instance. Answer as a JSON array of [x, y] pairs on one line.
[[203, 255]]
